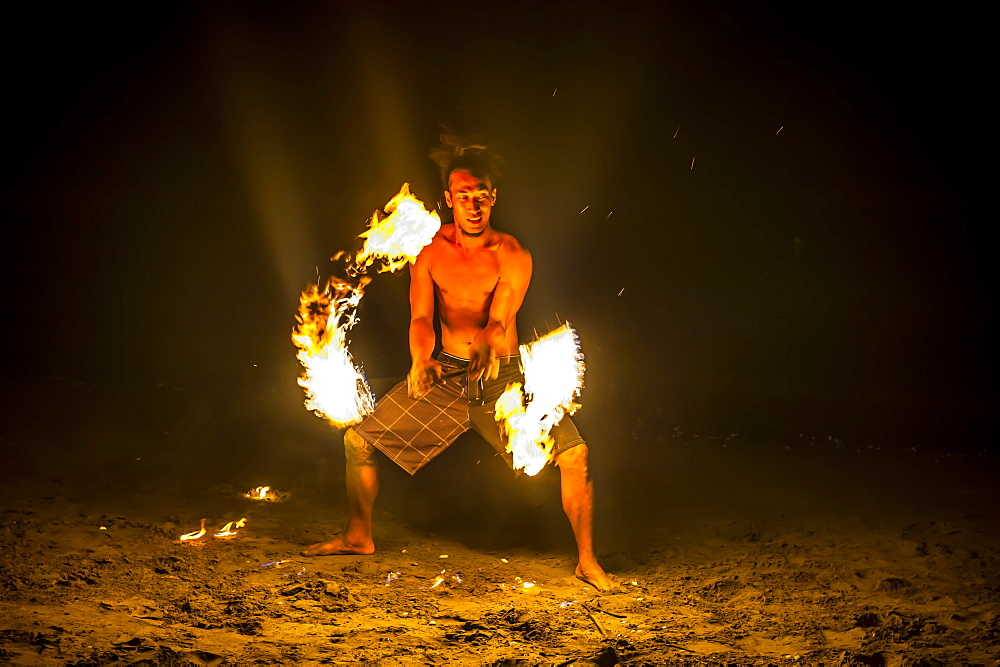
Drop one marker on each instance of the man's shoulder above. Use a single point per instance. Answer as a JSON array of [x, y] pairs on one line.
[[512, 255], [441, 238], [507, 244]]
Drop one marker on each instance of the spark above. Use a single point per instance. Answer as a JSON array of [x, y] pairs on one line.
[[555, 91], [692, 163], [585, 208], [622, 292], [676, 131], [780, 129], [609, 215]]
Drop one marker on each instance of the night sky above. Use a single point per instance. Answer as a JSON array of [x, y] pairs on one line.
[[760, 218]]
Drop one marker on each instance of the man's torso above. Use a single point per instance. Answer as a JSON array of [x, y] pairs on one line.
[[464, 285]]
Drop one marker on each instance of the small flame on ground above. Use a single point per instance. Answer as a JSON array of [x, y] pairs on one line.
[[334, 386], [196, 534], [231, 528], [553, 376], [441, 579], [262, 493]]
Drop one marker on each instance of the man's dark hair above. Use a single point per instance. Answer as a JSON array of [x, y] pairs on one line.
[[456, 153]]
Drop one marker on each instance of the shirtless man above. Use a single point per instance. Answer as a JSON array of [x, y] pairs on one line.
[[478, 278]]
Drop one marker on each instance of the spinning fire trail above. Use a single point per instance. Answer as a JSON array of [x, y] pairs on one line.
[[334, 386], [337, 391]]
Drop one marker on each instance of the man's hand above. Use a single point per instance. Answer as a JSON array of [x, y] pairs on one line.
[[422, 376], [483, 361]]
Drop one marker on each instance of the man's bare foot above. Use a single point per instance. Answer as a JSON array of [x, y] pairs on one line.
[[596, 577], [339, 546]]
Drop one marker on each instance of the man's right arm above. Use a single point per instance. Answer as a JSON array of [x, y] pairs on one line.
[[424, 370]]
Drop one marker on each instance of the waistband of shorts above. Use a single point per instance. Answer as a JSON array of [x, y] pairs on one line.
[[459, 361]]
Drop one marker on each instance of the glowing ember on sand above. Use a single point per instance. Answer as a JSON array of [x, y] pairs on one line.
[[553, 376], [335, 388], [442, 579]]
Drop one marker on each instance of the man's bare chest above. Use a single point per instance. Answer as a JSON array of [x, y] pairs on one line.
[[463, 276]]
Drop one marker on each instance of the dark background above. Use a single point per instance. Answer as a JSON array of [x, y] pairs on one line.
[[761, 218]]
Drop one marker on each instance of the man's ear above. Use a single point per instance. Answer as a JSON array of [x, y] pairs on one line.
[[493, 196], [447, 198]]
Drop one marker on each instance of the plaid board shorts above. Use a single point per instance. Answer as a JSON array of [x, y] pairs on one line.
[[412, 431]]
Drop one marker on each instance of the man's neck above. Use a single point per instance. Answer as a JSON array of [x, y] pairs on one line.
[[472, 241]]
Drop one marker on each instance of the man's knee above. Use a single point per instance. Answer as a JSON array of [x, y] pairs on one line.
[[359, 452]]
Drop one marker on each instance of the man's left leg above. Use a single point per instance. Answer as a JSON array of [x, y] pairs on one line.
[[578, 503]]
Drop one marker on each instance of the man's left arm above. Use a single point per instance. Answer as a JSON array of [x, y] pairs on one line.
[[515, 275]]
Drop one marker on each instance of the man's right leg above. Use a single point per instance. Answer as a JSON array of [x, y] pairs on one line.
[[362, 488]]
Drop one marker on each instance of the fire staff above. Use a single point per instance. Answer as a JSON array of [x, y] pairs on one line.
[[476, 277]]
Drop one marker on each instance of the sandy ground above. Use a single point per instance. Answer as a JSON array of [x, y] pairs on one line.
[[727, 551]]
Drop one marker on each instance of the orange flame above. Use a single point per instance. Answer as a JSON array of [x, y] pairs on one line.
[[553, 376], [196, 534], [231, 528], [334, 386]]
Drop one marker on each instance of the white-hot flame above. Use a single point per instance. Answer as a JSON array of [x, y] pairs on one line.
[[334, 386], [397, 238], [553, 377]]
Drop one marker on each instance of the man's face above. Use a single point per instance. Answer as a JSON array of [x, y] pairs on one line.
[[471, 198]]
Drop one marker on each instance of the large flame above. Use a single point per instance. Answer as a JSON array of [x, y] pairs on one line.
[[334, 386], [397, 238], [553, 377]]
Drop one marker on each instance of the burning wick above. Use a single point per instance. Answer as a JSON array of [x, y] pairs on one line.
[[334, 386], [196, 534], [553, 376]]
